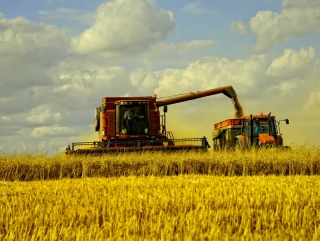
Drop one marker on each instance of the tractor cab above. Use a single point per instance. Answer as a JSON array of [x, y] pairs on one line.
[[260, 130], [264, 126]]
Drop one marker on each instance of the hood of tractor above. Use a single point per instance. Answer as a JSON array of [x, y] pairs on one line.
[[266, 139]]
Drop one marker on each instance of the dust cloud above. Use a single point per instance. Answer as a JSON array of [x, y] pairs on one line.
[[88, 137]]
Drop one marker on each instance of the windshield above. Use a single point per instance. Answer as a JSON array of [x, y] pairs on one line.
[[262, 126], [132, 119]]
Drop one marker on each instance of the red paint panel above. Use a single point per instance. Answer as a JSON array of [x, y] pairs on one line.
[[111, 122], [154, 116]]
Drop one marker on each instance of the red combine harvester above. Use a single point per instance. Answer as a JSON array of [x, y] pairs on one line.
[[253, 131], [135, 124]]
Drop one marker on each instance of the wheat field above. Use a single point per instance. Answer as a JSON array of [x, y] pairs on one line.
[[300, 161], [256, 195]]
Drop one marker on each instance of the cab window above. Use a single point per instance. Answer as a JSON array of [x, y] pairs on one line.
[[132, 119]]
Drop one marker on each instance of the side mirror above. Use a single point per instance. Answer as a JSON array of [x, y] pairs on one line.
[[165, 109], [287, 121]]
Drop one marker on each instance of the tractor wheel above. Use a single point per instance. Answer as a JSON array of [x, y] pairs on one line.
[[215, 147], [238, 146]]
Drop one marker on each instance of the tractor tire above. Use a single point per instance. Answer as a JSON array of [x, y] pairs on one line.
[[238, 146], [215, 147]]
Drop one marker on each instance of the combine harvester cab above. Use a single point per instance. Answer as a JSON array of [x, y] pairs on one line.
[[254, 131], [126, 124]]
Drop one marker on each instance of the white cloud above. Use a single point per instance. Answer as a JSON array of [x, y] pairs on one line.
[[123, 26], [213, 72], [20, 36], [291, 62], [179, 48], [52, 131], [194, 8], [80, 84], [237, 26], [43, 114], [27, 49], [297, 19], [144, 82]]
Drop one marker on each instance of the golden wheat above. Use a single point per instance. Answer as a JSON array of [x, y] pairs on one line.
[[256, 162], [184, 207]]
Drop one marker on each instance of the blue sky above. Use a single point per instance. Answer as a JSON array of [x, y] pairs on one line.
[[60, 57]]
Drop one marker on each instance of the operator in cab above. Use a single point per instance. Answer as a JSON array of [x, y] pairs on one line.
[[129, 117], [258, 127], [261, 127]]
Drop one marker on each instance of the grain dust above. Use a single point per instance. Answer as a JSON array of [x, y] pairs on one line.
[[238, 108]]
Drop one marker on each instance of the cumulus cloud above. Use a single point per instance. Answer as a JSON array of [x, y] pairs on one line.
[[53, 131], [124, 26], [86, 85], [172, 52], [27, 49], [19, 36], [291, 62], [194, 8], [43, 114], [297, 19], [210, 72]]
